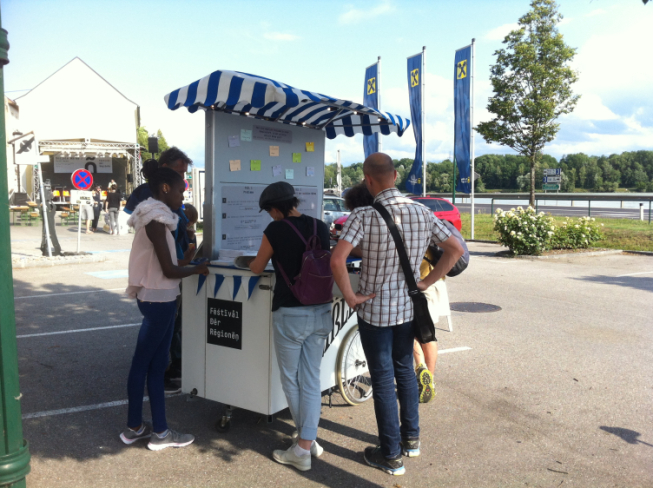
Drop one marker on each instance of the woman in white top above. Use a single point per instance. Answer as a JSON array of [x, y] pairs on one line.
[[154, 277]]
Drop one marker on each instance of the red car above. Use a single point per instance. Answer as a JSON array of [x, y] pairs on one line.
[[441, 208]]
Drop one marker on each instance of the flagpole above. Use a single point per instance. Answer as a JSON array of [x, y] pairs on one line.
[[423, 122], [338, 175], [378, 99], [471, 135]]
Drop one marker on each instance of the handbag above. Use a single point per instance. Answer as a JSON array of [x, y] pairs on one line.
[[423, 326]]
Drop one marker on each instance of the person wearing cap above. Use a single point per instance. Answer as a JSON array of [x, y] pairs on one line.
[[300, 330]]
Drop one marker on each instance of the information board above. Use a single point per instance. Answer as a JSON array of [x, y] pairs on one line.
[[242, 223]]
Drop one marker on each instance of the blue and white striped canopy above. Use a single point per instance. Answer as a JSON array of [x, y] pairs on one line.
[[245, 94]]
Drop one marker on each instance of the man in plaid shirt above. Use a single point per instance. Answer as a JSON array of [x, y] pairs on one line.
[[385, 310]]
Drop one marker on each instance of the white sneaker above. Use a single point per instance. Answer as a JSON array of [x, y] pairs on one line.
[[316, 449], [302, 463]]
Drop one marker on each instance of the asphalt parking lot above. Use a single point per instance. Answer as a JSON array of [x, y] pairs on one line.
[[554, 390]]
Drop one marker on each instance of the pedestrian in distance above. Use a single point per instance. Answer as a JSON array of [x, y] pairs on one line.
[[300, 330], [154, 277], [384, 307], [97, 206], [112, 207]]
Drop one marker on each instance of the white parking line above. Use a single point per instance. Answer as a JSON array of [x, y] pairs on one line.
[[67, 293], [634, 274], [85, 408], [76, 330], [454, 349]]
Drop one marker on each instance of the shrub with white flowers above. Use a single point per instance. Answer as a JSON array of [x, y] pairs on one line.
[[524, 231], [576, 234]]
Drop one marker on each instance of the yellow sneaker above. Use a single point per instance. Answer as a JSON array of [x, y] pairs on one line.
[[425, 384]]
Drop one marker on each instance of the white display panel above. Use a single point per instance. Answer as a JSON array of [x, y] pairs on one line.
[[243, 224], [246, 152]]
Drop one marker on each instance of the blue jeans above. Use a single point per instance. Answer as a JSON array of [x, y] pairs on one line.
[[389, 353], [150, 362], [299, 336]]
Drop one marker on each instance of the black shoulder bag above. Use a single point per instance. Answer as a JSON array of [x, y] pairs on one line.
[[423, 326]]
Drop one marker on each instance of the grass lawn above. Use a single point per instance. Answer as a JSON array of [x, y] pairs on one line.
[[626, 234]]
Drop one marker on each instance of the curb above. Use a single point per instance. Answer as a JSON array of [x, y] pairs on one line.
[[572, 254], [641, 253], [483, 241], [44, 262]]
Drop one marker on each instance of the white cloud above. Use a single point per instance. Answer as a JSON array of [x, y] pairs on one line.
[[590, 107], [280, 36], [499, 33], [353, 14]]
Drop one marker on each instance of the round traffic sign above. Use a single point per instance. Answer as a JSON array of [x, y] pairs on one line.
[[82, 179], [187, 185]]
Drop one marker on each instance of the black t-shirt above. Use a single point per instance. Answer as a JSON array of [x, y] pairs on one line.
[[113, 200], [288, 250]]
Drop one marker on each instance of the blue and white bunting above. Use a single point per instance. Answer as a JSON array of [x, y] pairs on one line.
[[237, 282], [250, 286], [219, 279], [200, 283], [244, 94]]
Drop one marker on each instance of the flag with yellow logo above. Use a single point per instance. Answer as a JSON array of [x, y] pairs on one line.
[[371, 99], [414, 178], [462, 124]]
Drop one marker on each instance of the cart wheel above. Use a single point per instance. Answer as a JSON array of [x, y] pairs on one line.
[[223, 425], [352, 375]]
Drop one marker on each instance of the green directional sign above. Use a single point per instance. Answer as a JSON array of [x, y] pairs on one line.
[[551, 186]]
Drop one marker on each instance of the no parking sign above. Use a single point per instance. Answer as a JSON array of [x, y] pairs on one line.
[[82, 179]]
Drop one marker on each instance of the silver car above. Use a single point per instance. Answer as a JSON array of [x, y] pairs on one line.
[[333, 208]]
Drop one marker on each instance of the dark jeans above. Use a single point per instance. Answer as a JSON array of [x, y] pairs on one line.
[[175, 345], [389, 353], [150, 361], [96, 216]]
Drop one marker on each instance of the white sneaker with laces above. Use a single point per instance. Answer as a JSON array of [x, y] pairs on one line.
[[302, 463]]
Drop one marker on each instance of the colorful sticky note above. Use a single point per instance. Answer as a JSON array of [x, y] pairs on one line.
[[310, 171], [296, 157], [276, 170], [310, 147], [290, 174], [234, 141], [274, 150], [234, 165], [255, 165], [246, 135]]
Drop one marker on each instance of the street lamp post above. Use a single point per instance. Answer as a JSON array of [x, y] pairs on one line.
[[14, 452]]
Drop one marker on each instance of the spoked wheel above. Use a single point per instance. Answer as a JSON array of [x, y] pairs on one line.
[[352, 375]]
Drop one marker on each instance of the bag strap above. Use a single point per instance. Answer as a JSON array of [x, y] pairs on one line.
[[307, 243], [297, 230], [401, 249]]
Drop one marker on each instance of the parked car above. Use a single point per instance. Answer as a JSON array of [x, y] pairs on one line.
[[443, 209], [333, 208]]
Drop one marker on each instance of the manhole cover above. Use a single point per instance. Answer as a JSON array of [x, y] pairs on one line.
[[473, 307]]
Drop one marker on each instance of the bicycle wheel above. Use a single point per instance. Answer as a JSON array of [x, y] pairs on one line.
[[352, 375]]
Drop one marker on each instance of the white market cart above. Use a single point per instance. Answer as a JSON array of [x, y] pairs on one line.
[[259, 131]]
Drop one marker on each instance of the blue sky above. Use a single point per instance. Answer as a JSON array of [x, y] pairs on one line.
[[147, 49]]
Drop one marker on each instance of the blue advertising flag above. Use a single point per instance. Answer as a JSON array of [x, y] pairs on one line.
[[371, 99], [414, 178], [463, 129]]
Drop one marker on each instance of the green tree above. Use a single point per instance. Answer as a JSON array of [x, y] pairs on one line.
[[142, 140], [532, 85]]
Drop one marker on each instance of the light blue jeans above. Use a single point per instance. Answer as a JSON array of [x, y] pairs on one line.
[[299, 336]]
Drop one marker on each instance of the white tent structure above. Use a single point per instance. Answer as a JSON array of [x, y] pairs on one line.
[[77, 116]]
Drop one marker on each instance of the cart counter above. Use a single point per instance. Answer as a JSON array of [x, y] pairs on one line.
[[228, 350]]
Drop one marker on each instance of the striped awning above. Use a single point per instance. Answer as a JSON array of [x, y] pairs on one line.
[[263, 98]]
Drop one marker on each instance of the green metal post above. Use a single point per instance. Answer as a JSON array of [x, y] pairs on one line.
[[649, 211], [492, 207], [14, 452], [589, 208]]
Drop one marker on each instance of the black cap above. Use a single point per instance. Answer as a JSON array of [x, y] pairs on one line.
[[275, 193]]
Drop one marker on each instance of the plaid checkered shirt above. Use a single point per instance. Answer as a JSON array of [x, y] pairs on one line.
[[381, 271]]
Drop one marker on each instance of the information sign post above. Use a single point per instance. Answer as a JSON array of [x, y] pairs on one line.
[[82, 180]]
